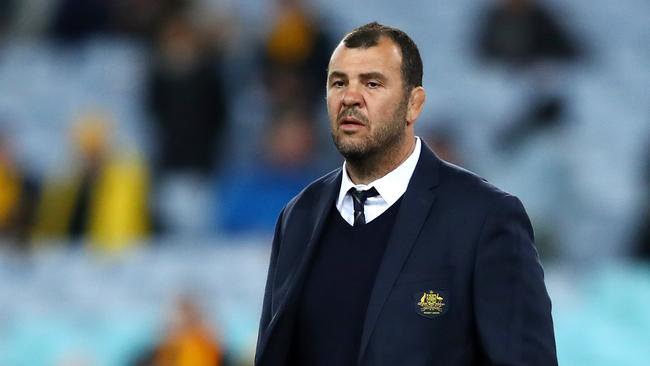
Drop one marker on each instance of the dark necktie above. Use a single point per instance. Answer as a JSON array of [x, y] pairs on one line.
[[359, 199]]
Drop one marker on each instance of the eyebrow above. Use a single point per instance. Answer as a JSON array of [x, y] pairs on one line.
[[337, 74], [373, 75], [364, 76]]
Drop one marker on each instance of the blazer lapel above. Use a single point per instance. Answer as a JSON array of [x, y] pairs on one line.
[[413, 211], [295, 279]]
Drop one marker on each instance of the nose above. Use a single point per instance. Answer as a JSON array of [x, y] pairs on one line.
[[352, 97]]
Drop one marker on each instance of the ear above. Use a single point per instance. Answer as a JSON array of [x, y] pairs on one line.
[[415, 104]]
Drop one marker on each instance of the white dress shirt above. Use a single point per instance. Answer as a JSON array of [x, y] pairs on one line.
[[390, 187]]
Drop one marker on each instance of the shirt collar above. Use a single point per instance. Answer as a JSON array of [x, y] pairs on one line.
[[392, 185]]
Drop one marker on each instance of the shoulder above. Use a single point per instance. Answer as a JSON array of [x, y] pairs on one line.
[[452, 183], [467, 189], [314, 190], [480, 207]]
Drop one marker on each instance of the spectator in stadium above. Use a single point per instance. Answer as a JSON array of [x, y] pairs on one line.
[[642, 237], [6, 12], [76, 20], [188, 107], [286, 163], [294, 56], [17, 198], [189, 340], [521, 33], [525, 37], [103, 201]]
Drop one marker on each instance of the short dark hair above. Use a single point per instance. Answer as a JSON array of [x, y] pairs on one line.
[[368, 36]]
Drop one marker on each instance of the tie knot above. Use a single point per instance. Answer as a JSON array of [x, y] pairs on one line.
[[361, 196], [358, 200]]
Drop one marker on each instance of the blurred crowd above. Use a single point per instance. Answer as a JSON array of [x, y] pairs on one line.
[[186, 184], [232, 124], [202, 125]]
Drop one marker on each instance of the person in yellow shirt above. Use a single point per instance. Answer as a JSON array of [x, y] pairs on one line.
[[189, 341], [103, 200], [17, 197]]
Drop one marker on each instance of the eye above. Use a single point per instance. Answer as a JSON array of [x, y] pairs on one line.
[[337, 83], [373, 84]]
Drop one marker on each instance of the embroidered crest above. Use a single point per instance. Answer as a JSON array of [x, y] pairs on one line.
[[430, 303]]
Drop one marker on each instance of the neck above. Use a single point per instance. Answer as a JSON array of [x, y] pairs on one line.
[[373, 167]]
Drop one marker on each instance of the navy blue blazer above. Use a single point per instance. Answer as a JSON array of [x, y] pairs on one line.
[[460, 282]]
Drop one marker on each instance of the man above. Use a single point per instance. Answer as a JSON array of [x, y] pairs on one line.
[[399, 258]]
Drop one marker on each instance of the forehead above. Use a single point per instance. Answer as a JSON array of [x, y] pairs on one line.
[[385, 57]]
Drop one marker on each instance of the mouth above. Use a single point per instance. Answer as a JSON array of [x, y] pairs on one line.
[[350, 124], [349, 120]]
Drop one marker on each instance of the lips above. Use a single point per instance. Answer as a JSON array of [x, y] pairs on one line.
[[352, 120], [349, 120], [350, 125]]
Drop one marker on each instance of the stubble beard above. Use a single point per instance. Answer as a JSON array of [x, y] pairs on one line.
[[385, 138]]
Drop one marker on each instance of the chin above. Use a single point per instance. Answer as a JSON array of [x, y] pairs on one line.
[[351, 155], [352, 147], [352, 151]]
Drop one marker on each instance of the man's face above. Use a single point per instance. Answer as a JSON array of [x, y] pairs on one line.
[[366, 101]]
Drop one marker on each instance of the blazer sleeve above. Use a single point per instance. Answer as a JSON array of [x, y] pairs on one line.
[[512, 307], [268, 288]]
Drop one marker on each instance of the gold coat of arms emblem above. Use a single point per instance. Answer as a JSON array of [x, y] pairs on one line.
[[430, 303]]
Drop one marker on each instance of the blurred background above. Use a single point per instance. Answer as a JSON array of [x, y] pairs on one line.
[[147, 146]]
